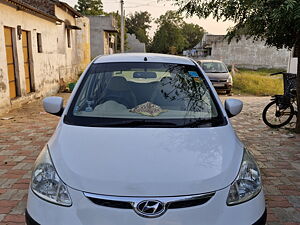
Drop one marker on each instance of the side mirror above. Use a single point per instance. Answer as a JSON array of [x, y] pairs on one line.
[[54, 105], [233, 107]]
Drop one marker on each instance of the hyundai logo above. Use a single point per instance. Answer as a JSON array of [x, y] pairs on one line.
[[150, 208]]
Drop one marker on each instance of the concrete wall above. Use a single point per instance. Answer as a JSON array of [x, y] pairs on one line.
[[211, 38], [292, 67], [134, 45], [83, 42], [292, 64], [99, 25], [72, 60], [48, 66], [249, 54]]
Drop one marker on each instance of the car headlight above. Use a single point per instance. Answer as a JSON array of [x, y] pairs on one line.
[[45, 182], [229, 80], [248, 182]]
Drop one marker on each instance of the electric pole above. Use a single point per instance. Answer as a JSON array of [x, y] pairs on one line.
[[122, 26]]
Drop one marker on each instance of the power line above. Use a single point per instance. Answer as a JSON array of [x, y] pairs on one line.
[[142, 5]]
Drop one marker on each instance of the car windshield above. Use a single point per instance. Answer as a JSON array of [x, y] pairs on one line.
[[214, 67], [143, 95]]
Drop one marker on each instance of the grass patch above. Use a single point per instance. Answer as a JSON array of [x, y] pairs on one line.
[[261, 72], [257, 82]]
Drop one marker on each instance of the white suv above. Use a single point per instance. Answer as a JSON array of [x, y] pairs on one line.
[[144, 140]]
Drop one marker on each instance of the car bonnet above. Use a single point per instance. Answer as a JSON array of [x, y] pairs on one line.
[[146, 161]]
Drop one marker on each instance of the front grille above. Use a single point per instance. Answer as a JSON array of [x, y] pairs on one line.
[[217, 81], [130, 202], [111, 203], [190, 202]]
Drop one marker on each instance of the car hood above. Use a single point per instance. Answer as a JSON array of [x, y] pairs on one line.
[[218, 76], [146, 161]]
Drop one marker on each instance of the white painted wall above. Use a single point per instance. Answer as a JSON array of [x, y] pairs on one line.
[[50, 65], [292, 65], [134, 45], [249, 54]]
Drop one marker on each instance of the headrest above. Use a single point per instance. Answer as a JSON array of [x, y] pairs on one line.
[[118, 84]]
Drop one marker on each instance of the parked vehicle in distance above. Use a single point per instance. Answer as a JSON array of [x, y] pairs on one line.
[[218, 74], [144, 139]]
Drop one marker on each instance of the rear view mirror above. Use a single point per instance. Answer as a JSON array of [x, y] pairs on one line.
[[54, 105], [233, 107], [145, 75]]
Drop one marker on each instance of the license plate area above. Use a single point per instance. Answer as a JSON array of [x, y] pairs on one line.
[[218, 85]]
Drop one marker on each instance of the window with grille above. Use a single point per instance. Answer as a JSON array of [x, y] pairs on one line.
[[69, 38], [39, 43]]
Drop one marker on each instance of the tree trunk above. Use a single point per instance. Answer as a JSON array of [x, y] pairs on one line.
[[297, 48]]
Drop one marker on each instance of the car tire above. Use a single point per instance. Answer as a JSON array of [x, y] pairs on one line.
[[228, 92]]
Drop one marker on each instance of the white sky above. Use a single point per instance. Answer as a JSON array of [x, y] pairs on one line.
[[157, 8]]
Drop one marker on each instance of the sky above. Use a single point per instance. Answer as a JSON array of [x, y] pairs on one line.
[[157, 8]]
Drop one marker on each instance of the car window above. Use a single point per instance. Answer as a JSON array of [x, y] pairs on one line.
[[214, 67], [154, 93]]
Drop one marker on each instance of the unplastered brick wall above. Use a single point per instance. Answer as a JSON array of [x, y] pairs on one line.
[[46, 6]]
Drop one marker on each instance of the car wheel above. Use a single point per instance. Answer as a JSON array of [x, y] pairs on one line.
[[228, 92]]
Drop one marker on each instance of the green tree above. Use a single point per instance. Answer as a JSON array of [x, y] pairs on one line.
[[193, 34], [277, 22], [139, 24], [169, 38], [89, 7]]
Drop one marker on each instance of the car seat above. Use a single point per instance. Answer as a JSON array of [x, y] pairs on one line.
[[118, 90]]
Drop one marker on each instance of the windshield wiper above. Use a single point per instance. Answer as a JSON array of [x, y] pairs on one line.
[[203, 122], [135, 123], [216, 72]]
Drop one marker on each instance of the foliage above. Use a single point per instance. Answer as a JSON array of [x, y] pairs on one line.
[[193, 34], [89, 7], [257, 82], [277, 22], [138, 24], [173, 35], [169, 37]]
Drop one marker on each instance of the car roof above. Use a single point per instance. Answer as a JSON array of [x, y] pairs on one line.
[[140, 57], [210, 60]]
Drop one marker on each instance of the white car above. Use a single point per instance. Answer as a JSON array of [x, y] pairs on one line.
[[218, 74], [144, 140]]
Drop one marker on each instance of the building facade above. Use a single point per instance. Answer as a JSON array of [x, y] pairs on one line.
[[42, 43], [246, 53], [103, 35]]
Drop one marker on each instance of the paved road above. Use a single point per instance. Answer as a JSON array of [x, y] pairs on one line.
[[277, 152]]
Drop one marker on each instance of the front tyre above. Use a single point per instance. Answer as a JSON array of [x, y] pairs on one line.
[[275, 117]]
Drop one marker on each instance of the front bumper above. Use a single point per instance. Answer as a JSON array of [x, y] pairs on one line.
[[85, 212], [262, 220], [224, 86]]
